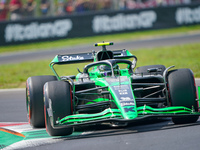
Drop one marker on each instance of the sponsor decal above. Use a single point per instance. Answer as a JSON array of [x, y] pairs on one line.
[[33, 31], [126, 101], [121, 22], [119, 87], [129, 109], [187, 15], [123, 92], [68, 58], [118, 79], [127, 104]]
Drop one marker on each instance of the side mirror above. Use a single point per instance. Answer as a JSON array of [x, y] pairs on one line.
[[79, 70], [134, 62]]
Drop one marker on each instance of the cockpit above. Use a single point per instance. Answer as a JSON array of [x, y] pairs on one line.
[[110, 67]]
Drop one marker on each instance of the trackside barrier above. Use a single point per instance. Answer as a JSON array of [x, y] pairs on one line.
[[101, 23]]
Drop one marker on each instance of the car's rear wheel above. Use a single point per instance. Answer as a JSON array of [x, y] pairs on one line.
[[34, 99], [182, 92], [58, 104], [144, 69]]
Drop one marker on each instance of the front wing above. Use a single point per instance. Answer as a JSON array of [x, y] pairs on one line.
[[114, 115]]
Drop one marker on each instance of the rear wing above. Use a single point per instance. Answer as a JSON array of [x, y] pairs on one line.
[[88, 57]]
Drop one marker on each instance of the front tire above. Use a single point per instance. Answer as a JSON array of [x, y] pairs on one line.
[[182, 92], [34, 99], [58, 104]]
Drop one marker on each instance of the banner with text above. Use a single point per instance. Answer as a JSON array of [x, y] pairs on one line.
[[101, 23]]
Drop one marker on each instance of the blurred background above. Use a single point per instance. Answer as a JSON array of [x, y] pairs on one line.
[[28, 21], [23, 9]]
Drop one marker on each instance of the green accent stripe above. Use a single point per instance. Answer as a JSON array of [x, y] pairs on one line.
[[198, 95], [147, 110], [74, 119], [115, 113], [168, 109]]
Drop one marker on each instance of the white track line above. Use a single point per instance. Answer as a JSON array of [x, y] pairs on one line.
[[12, 90]]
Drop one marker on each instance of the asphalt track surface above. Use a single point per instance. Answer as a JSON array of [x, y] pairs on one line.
[[177, 39], [152, 135]]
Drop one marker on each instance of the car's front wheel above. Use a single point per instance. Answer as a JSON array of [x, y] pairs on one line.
[[182, 92], [57, 105]]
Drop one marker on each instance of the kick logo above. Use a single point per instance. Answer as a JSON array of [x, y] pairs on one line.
[[130, 109]]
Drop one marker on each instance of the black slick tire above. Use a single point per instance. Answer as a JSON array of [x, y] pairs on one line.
[[34, 99], [58, 104], [182, 92]]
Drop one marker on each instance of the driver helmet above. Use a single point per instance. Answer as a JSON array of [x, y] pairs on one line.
[[105, 70]]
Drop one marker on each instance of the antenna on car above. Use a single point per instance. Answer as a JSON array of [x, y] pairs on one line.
[[104, 53], [103, 44]]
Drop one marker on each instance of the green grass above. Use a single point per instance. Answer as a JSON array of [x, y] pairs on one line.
[[91, 40], [184, 56]]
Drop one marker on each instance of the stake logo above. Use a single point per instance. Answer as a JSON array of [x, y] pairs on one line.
[[68, 58]]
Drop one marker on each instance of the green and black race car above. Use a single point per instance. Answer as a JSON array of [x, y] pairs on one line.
[[109, 90]]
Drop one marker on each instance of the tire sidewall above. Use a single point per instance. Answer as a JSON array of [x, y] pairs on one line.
[[182, 90], [59, 93], [34, 99]]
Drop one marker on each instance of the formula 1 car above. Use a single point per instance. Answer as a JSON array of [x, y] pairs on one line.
[[109, 90]]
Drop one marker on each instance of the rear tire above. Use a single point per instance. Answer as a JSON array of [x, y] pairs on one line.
[[182, 92], [143, 69], [34, 99], [58, 98]]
